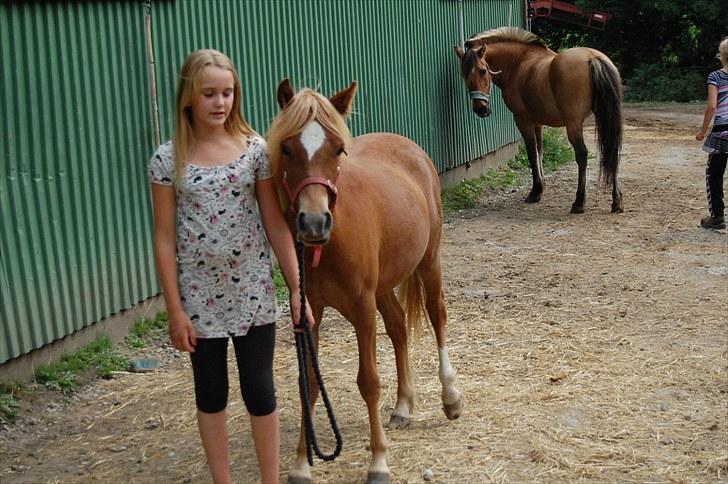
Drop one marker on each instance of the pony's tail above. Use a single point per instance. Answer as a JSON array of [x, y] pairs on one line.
[[412, 298], [607, 108]]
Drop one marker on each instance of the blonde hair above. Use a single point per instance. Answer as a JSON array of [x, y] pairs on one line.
[[307, 105], [187, 88], [723, 52]]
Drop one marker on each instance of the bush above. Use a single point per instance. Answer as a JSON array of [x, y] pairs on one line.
[[656, 82]]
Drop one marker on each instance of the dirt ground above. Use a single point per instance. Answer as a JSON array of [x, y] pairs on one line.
[[588, 347]]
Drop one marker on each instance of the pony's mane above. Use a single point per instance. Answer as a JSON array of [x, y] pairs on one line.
[[306, 106], [505, 34]]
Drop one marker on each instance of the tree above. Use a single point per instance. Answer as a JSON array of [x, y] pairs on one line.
[[675, 40]]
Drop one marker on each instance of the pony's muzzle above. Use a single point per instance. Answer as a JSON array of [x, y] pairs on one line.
[[481, 108], [314, 228]]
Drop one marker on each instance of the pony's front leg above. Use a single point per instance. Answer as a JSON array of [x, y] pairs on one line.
[[531, 135], [364, 321], [300, 473]]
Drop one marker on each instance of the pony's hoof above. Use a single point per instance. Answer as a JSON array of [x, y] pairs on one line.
[[298, 480], [397, 422], [577, 209], [617, 208], [377, 478], [533, 197], [454, 410]]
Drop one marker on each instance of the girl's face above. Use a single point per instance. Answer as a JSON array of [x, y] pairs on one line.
[[213, 103]]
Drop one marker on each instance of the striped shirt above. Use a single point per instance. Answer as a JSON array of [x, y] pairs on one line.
[[719, 79]]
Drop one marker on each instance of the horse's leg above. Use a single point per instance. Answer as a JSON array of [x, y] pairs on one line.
[[300, 473], [364, 320], [528, 131], [539, 147], [576, 138], [394, 322], [616, 197], [430, 271]]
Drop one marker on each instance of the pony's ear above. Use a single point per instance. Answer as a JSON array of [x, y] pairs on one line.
[[285, 93], [459, 51], [344, 99]]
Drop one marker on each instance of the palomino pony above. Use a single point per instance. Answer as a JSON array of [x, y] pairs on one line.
[[541, 87], [373, 202]]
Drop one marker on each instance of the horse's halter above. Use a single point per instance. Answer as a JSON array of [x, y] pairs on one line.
[[481, 95], [296, 191], [310, 180]]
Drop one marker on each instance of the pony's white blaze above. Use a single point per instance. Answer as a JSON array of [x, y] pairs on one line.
[[312, 138]]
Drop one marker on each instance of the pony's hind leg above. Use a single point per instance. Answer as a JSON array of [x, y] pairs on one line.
[[616, 197], [576, 138], [431, 276], [394, 322]]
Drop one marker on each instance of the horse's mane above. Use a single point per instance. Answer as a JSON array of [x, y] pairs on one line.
[[505, 34], [306, 106]]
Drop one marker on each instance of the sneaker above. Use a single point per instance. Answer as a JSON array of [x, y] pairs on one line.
[[712, 222]]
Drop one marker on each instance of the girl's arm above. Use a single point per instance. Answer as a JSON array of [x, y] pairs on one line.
[[282, 242], [709, 111], [164, 201]]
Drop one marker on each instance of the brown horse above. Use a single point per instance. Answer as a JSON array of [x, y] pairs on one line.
[[374, 202], [541, 87]]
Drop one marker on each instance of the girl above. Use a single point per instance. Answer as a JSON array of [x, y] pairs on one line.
[[716, 144], [214, 204]]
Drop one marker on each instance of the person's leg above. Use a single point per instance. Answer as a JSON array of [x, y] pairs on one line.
[[714, 183], [209, 365], [266, 435], [213, 431], [254, 354]]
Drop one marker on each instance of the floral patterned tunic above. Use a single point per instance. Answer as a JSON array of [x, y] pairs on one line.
[[223, 255]]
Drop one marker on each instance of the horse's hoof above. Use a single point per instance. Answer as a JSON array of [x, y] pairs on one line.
[[533, 197], [617, 208], [298, 480], [377, 478], [454, 410], [577, 209], [397, 422]]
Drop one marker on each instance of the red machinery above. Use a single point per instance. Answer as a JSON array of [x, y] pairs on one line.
[[568, 12]]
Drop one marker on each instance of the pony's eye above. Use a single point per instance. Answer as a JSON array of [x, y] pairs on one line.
[[285, 151], [341, 151]]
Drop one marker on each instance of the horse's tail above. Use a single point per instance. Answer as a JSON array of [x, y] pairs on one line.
[[412, 299], [607, 108]]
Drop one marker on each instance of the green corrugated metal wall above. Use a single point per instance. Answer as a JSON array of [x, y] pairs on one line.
[[400, 52], [75, 240], [75, 227]]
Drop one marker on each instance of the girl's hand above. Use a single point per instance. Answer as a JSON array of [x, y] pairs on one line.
[[181, 332], [700, 135], [296, 311]]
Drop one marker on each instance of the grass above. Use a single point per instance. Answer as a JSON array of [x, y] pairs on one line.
[[98, 356], [97, 359], [144, 328], [8, 402], [556, 152], [281, 286]]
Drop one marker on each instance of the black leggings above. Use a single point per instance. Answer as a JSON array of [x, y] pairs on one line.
[[714, 183], [254, 355]]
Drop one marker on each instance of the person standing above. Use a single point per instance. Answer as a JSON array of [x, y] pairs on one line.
[[216, 216], [716, 143]]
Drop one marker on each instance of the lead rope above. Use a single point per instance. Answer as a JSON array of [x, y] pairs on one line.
[[304, 347]]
